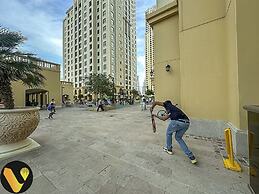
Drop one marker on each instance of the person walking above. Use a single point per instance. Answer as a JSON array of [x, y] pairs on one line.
[[100, 105], [179, 124]]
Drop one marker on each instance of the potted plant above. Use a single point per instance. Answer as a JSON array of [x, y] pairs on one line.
[[16, 124]]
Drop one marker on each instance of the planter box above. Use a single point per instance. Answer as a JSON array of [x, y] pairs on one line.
[[16, 125]]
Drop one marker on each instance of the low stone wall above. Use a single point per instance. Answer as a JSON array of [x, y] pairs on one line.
[[215, 129]]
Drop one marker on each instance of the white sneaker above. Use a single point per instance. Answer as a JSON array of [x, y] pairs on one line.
[[193, 160], [170, 152]]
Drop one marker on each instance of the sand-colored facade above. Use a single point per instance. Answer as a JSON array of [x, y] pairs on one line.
[[52, 88], [211, 47]]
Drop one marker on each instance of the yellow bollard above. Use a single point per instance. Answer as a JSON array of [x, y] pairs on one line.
[[230, 162]]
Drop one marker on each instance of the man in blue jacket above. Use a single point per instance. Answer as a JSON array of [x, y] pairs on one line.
[[179, 124]]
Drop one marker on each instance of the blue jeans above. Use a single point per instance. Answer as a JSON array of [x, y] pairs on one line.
[[179, 128]]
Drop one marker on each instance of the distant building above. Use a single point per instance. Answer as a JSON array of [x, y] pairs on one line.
[[138, 87], [100, 37], [41, 96], [149, 54], [144, 87]]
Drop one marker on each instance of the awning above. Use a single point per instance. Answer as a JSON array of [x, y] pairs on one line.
[[35, 91]]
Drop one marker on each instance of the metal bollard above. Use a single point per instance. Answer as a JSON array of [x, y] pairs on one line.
[[230, 162]]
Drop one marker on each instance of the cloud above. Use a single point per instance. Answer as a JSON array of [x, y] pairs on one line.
[[37, 20], [41, 22]]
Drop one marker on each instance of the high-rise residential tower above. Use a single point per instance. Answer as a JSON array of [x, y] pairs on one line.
[[99, 36], [149, 54]]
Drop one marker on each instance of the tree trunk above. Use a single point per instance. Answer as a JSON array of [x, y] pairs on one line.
[[6, 93]]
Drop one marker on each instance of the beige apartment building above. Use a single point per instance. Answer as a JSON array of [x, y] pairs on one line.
[[206, 60], [149, 54], [40, 96], [99, 36]]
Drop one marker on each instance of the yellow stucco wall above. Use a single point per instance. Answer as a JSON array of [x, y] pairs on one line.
[[218, 70], [169, 55], [51, 84], [203, 74], [231, 61], [248, 60], [161, 3]]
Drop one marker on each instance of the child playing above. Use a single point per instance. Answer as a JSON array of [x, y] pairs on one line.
[[51, 109]]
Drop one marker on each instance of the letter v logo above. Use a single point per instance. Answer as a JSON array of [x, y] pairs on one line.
[[12, 180], [16, 177]]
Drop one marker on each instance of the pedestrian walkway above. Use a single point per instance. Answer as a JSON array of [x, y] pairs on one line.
[[117, 152]]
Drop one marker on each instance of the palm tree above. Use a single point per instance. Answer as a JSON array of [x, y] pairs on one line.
[[15, 66]]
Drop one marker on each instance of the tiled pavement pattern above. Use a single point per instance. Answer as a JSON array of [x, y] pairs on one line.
[[116, 152]]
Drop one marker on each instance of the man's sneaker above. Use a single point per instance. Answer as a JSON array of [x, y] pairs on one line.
[[168, 151], [193, 160]]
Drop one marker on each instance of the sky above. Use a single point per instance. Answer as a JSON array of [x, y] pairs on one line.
[[41, 22]]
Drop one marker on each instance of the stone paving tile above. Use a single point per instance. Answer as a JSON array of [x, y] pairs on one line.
[[41, 184], [117, 152]]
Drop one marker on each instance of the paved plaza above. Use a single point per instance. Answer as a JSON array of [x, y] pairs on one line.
[[117, 152]]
